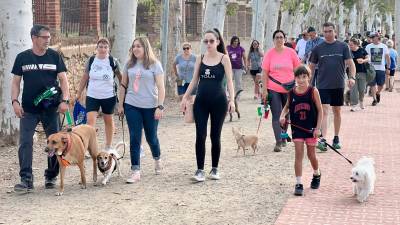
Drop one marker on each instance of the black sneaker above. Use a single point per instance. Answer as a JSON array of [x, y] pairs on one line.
[[50, 183], [24, 187], [378, 98], [374, 103], [315, 181], [298, 190]]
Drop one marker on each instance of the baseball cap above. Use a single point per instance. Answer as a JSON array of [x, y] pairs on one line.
[[311, 29], [373, 34]]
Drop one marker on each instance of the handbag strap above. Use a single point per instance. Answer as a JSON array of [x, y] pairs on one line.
[[274, 80]]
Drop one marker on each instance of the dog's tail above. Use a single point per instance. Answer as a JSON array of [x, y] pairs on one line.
[[237, 94], [122, 145]]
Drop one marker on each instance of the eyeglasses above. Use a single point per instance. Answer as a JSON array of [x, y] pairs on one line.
[[279, 37], [185, 48], [211, 41], [44, 37]]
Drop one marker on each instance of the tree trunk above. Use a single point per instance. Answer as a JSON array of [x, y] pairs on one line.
[[258, 21], [397, 30], [389, 23], [341, 27], [121, 27], [174, 42], [15, 24], [353, 21], [214, 16], [272, 9]]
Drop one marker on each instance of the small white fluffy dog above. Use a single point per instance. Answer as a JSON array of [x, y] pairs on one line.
[[363, 177], [109, 161]]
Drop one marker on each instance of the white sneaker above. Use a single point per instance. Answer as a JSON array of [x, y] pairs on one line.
[[362, 105], [214, 175], [354, 108], [199, 176], [134, 177], [157, 166]]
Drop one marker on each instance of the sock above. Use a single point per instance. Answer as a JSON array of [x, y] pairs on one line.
[[298, 180], [316, 172]]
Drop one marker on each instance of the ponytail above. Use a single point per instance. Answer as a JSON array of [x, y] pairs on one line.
[[221, 47]]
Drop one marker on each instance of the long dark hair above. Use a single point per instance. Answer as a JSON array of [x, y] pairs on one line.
[[251, 46], [234, 38], [221, 47]]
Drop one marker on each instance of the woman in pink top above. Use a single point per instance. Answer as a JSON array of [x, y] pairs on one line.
[[278, 65]]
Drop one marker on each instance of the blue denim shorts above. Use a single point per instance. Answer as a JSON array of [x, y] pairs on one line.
[[379, 78]]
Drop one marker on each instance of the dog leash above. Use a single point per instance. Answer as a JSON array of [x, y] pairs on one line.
[[121, 118], [322, 140]]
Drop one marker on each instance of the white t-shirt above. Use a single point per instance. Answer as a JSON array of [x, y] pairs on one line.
[[101, 79], [377, 55], [301, 48]]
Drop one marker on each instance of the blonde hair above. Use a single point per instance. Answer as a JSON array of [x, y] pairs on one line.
[[389, 43], [148, 59], [186, 44]]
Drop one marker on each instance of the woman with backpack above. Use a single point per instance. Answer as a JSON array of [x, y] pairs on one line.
[[99, 78]]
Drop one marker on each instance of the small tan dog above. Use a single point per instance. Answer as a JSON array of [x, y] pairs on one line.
[[109, 161], [70, 148], [244, 141]]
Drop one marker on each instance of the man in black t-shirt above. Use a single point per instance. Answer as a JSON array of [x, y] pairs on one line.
[[332, 57], [40, 68]]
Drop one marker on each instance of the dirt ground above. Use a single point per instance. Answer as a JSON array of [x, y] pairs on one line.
[[252, 190]]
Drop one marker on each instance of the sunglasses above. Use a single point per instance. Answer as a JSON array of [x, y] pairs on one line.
[[211, 41], [185, 48]]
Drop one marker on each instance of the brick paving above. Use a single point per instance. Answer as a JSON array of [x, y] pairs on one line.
[[373, 132]]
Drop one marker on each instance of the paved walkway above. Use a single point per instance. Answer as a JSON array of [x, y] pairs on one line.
[[374, 132]]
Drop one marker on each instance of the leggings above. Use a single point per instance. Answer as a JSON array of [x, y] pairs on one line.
[[278, 101], [203, 108]]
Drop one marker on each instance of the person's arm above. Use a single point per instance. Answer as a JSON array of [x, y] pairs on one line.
[[82, 85], [15, 89], [352, 68], [175, 71], [62, 77], [248, 61], [122, 92], [387, 57], [192, 84], [161, 96], [312, 69], [318, 104], [228, 73], [285, 111], [244, 59]]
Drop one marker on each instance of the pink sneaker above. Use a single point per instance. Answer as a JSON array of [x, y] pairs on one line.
[[134, 177]]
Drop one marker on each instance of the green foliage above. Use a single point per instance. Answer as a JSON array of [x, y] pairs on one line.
[[152, 5], [231, 9]]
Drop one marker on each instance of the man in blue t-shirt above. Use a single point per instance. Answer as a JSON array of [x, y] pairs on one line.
[[332, 57], [41, 68]]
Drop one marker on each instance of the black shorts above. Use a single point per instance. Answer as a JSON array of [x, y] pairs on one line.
[[333, 97], [255, 72], [392, 72], [107, 105]]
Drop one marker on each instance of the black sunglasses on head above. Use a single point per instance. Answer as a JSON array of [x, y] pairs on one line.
[[185, 48]]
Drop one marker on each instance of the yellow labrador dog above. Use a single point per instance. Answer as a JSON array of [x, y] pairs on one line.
[[70, 148]]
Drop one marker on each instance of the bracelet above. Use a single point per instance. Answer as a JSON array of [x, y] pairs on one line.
[[352, 78], [15, 100], [65, 101]]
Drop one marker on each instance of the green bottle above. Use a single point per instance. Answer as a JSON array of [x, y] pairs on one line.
[[69, 119]]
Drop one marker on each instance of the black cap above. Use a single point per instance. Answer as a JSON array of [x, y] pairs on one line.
[[311, 29]]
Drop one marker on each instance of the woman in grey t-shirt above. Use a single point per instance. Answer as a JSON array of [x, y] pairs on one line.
[[142, 98], [254, 65], [183, 68]]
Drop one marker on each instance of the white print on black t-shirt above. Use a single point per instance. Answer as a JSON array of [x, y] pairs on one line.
[[30, 67], [207, 75], [376, 56], [331, 55]]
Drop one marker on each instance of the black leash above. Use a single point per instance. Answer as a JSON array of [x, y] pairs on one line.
[[323, 140], [121, 118]]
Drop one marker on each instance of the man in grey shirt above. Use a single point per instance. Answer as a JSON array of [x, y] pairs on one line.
[[332, 57]]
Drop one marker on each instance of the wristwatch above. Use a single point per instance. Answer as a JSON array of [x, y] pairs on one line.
[[65, 101], [161, 107]]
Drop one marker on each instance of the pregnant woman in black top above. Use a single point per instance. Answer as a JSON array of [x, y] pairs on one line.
[[211, 101]]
